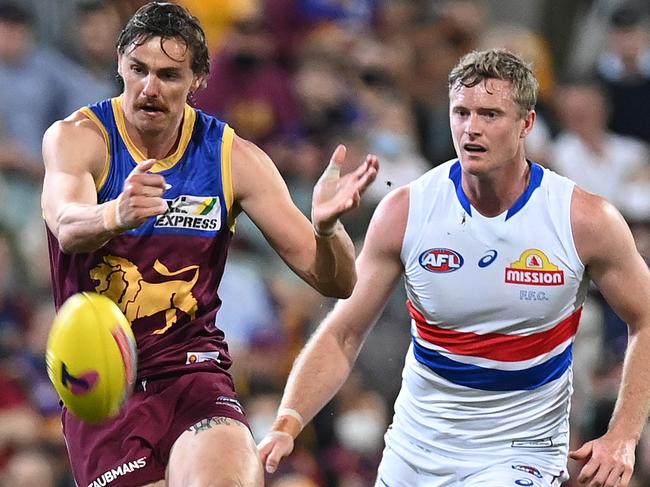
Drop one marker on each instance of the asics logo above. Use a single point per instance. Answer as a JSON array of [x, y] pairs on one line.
[[488, 258]]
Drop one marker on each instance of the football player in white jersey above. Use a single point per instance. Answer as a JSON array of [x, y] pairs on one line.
[[496, 253]]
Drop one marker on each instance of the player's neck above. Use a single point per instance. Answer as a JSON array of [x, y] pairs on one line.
[[494, 194]]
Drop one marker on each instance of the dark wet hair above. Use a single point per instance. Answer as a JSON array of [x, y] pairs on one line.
[[167, 21], [478, 66]]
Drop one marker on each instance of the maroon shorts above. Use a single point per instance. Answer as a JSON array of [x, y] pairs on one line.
[[133, 449]]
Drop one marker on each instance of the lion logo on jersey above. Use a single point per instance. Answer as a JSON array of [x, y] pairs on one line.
[[121, 280]]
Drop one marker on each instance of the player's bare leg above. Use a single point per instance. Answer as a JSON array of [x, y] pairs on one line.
[[216, 451]]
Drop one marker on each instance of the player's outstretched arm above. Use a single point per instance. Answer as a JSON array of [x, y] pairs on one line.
[[326, 360], [606, 246], [75, 159], [323, 254]]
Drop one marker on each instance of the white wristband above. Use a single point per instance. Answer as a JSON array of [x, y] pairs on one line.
[[329, 233], [293, 413], [118, 218], [111, 216]]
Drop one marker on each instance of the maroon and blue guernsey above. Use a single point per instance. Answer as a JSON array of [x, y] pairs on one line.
[[163, 275]]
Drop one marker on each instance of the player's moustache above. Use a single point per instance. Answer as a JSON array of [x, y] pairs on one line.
[[150, 105]]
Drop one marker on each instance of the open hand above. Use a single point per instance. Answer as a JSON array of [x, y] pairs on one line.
[[274, 447], [607, 462], [335, 195]]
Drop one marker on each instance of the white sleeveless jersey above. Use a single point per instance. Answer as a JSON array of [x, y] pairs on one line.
[[495, 304]]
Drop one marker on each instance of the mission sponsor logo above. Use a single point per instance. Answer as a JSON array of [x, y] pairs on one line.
[[534, 268], [441, 260], [191, 212]]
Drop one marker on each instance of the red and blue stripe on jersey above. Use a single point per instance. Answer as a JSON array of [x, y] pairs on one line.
[[496, 347]]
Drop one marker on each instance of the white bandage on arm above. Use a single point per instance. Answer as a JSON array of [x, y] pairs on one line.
[[111, 216], [293, 413], [288, 421], [333, 170], [329, 233]]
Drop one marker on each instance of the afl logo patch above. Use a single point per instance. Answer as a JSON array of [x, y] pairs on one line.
[[441, 260]]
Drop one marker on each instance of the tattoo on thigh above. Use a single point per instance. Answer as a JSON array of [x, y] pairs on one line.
[[208, 423]]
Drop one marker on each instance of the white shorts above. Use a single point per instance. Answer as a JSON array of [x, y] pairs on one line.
[[523, 471]]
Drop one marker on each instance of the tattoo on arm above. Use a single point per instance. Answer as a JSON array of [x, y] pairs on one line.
[[208, 423]]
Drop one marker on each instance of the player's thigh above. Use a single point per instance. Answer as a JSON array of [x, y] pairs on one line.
[[510, 475], [215, 452], [394, 471]]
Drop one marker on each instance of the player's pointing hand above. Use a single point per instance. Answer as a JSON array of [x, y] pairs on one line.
[[141, 197]]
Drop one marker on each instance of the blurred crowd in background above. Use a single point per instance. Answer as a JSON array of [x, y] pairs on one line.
[[298, 77]]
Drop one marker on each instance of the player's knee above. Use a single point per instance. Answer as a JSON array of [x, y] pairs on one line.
[[218, 478], [229, 480]]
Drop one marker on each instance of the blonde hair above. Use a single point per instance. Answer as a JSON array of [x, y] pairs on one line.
[[478, 66]]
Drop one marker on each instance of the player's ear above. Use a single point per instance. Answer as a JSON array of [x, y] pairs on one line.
[[200, 81], [529, 122]]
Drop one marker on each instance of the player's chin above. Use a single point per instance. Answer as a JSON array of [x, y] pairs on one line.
[[151, 120], [147, 126], [475, 163]]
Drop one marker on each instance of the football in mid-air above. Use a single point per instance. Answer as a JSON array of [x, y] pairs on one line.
[[91, 356]]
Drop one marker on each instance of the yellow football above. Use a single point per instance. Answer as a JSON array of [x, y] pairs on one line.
[[91, 356]]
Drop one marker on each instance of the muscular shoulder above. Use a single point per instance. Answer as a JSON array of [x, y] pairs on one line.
[[252, 169], [78, 139], [257, 184], [245, 151], [77, 126], [388, 223], [598, 227]]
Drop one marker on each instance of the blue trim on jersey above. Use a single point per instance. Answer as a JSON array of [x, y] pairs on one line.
[[488, 379], [536, 175], [455, 174], [103, 110]]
